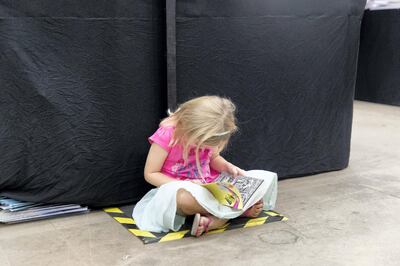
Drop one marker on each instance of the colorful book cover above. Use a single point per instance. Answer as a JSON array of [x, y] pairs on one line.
[[234, 192], [227, 194]]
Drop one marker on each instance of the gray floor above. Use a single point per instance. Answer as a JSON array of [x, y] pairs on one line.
[[349, 217]]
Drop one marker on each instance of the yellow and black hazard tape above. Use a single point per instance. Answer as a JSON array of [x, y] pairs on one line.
[[123, 216]]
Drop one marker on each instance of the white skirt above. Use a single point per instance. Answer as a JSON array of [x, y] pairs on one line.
[[156, 211]]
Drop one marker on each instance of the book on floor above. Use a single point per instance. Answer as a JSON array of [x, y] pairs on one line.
[[14, 211]]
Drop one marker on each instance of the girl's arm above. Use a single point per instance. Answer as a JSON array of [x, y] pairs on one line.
[[219, 164], [154, 162]]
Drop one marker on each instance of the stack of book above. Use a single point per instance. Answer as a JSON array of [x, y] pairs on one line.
[[15, 211], [382, 4]]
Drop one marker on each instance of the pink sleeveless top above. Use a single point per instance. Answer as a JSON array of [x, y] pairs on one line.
[[174, 164]]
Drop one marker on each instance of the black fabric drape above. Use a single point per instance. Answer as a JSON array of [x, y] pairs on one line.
[[82, 86], [84, 83], [378, 78], [171, 52], [290, 66]]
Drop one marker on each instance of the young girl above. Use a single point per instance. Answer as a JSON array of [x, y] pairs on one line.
[[185, 153]]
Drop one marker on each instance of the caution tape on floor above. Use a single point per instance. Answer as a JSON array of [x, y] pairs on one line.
[[124, 218]]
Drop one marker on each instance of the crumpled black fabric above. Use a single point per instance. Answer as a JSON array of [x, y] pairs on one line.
[[290, 67], [83, 84], [81, 89], [378, 77]]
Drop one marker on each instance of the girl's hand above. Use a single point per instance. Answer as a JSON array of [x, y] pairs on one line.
[[234, 170]]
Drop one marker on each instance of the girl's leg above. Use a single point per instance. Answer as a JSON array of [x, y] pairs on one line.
[[188, 205]]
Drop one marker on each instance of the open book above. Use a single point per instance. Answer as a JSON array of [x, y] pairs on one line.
[[234, 192]]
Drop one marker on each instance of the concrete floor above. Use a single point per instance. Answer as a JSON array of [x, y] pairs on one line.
[[348, 217]]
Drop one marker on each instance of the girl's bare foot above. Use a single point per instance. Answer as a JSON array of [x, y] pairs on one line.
[[254, 210], [202, 224]]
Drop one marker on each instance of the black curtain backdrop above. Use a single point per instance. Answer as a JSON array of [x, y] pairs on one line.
[[378, 78], [291, 71], [84, 83], [81, 88]]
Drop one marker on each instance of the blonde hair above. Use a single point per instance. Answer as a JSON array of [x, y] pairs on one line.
[[203, 121]]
